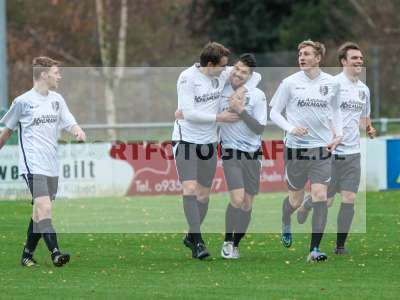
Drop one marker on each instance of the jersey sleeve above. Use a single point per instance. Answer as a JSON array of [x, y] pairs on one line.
[[13, 115], [366, 112], [253, 81], [260, 109], [281, 97], [67, 120], [186, 98]]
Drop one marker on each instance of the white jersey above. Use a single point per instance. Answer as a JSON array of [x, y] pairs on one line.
[[38, 119], [238, 135], [309, 103], [199, 94], [355, 103]]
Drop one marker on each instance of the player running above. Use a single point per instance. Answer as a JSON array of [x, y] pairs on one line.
[[346, 167], [241, 142], [38, 115], [195, 138], [310, 98]]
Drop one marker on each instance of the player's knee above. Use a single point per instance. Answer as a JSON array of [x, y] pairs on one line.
[[319, 196], [349, 198], [203, 194], [237, 201], [189, 188], [43, 211]]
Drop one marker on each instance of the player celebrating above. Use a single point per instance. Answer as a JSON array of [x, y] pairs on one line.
[[38, 115], [346, 166], [241, 143], [310, 98], [195, 138]]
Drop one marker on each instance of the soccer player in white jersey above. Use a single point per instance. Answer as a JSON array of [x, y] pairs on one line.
[[195, 137], [346, 167], [38, 115], [313, 117], [241, 142]]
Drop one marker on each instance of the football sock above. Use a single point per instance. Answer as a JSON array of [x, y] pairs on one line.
[[308, 204], [243, 221], [191, 210], [230, 220], [287, 211], [32, 239], [49, 235], [319, 218], [203, 208], [344, 220]]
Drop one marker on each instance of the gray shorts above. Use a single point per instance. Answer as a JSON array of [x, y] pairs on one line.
[[41, 185], [196, 162], [304, 164], [242, 170], [346, 174]]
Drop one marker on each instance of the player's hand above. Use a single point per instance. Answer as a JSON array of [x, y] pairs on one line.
[[334, 143], [236, 104], [179, 115], [227, 117], [299, 131], [371, 131], [79, 135]]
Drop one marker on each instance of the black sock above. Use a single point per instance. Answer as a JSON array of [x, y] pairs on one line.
[[32, 239], [191, 210], [230, 220], [308, 204], [319, 218], [344, 220], [243, 221], [49, 235], [287, 211], [203, 208]]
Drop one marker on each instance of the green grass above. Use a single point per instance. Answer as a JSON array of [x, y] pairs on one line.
[[157, 266]]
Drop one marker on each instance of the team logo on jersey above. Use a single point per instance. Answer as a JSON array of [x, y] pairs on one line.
[[55, 105], [362, 94], [323, 89], [215, 83]]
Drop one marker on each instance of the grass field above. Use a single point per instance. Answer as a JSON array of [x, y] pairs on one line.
[[157, 266]]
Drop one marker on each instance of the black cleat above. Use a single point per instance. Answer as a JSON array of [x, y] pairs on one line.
[[29, 262], [60, 259], [286, 236], [340, 251], [187, 241], [200, 251]]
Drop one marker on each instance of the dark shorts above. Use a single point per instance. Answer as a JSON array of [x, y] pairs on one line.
[[346, 174], [196, 162], [41, 185], [301, 165], [242, 170]]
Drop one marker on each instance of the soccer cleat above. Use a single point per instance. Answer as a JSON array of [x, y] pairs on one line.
[[226, 251], [200, 251], [60, 259], [188, 242], [235, 253], [316, 256], [340, 251], [304, 210], [286, 237], [29, 262]]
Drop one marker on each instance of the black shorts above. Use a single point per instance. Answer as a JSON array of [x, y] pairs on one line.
[[195, 162], [303, 164], [41, 185], [346, 174], [242, 170]]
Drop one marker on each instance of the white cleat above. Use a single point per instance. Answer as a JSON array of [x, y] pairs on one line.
[[316, 256], [235, 253], [227, 249]]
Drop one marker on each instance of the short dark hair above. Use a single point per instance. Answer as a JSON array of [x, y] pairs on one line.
[[249, 60], [344, 48], [213, 52], [42, 64]]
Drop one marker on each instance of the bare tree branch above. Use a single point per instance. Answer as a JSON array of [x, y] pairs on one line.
[[360, 10], [121, 48]]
